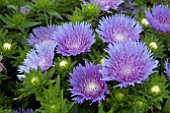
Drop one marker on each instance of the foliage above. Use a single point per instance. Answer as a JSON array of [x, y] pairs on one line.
[[49, 91]]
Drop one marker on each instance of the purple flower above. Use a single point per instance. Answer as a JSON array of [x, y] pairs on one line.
[[87, 84], [167, 69], [159, 19], [25, 10], [42, 56], [24, 111], [119, 28], [73, 39], [129, 63], [107, 4], [41, 34], [0, 57], [1, 65]]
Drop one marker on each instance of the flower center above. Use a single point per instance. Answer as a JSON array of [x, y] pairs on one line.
[[163, 19], [91, 87], [127, 69], [75, 45], [119, 37]]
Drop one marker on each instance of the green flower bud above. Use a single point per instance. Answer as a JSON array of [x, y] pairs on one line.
[[155, 90], [63, 63], [145, 22], [139, 105], [35, 81], [7, 46], [119, 96], [153, 45], [54, 108]]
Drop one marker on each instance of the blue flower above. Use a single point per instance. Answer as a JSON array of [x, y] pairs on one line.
[[41, 34], [159, 18], [25, 10], [87, 84], [129, 63], [119, 28], [167, 69], [42, 56], [23, 111], [73, 39]]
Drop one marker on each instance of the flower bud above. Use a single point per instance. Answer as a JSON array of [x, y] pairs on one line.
[[119, 96], [139, 105], [153, 45], [145, 22], [155, 90], [25, 10], [63, 63], [35, 81], [7, 46]]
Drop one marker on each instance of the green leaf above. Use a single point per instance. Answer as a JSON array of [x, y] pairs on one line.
[[6, 19], [166, 108], [74, 109], [158, 105], [111, 110], [28, 24], [54, 13], [101, 109]]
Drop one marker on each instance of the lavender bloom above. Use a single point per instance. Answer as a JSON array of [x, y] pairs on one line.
[[73, 39], [25, 10], [1, 65], [0, 57], [42, 56], [107, 4], [129, 63], [159, 19], [119, 28], [41, 34], [87, 84], [167, 69], [23, 111]]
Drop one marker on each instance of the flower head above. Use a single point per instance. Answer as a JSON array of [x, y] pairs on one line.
[[73, 39], [129, 63], [1, 65], [119, 28], [107, 4], [42, 56], [167, 69], [25, 10], [159, 18], [0, 57], [24, 111], [87, 84], [41, 34]]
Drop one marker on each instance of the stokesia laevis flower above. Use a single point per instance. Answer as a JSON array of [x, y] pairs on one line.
[[129, 63], [119, 28], [1, 65], [25, 10], [23, 111], [41, 34], [107, 4], [159, 18], [42, 56], [167, 69], [73, 39], [87, 84]]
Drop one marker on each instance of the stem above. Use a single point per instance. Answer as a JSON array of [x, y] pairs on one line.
[[46, 18]]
